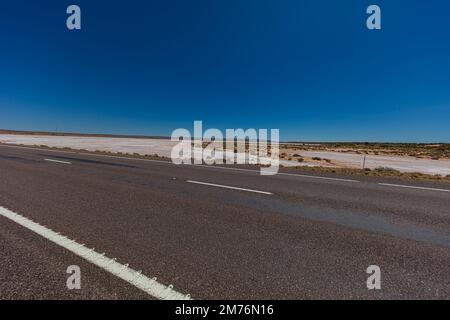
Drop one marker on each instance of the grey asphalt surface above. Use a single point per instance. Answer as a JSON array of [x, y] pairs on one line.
[[313, 238]]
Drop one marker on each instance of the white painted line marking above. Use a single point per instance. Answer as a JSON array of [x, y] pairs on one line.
[[133, 277], [227, 187], [316, 177], [58, 161], [413, 187]]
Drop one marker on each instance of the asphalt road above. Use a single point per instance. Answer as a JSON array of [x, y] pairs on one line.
[[217, 233]]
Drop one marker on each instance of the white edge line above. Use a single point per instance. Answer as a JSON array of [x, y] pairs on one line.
[[412, 187], [58, 161], [133, 277], [228, 187], [171, 163], [317, 177]]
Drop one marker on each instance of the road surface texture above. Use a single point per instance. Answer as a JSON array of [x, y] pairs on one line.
[[214, 233]]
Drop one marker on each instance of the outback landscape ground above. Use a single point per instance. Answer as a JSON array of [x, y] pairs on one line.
[[409, 160]]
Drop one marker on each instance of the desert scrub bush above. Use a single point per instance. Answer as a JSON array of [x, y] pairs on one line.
[[317, 158], [300, 159]]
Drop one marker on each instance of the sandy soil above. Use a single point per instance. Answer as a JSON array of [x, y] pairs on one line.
[[162, 147], [400, 163]]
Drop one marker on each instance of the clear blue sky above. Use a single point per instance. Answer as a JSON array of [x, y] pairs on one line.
[[309, 68]]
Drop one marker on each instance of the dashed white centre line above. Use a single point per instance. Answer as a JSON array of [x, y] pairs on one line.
[[58, 161], [413, 187], [227, 187], [135, 278]]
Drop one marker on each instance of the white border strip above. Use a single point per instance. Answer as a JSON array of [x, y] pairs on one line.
[[133, 277], [413, 187], [58, 161], [227, 187]]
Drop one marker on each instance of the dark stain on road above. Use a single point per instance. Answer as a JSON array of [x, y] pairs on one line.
[[21, 159], [362, 221]]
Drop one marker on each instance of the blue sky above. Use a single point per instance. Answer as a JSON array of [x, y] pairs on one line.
[[310, 68]]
